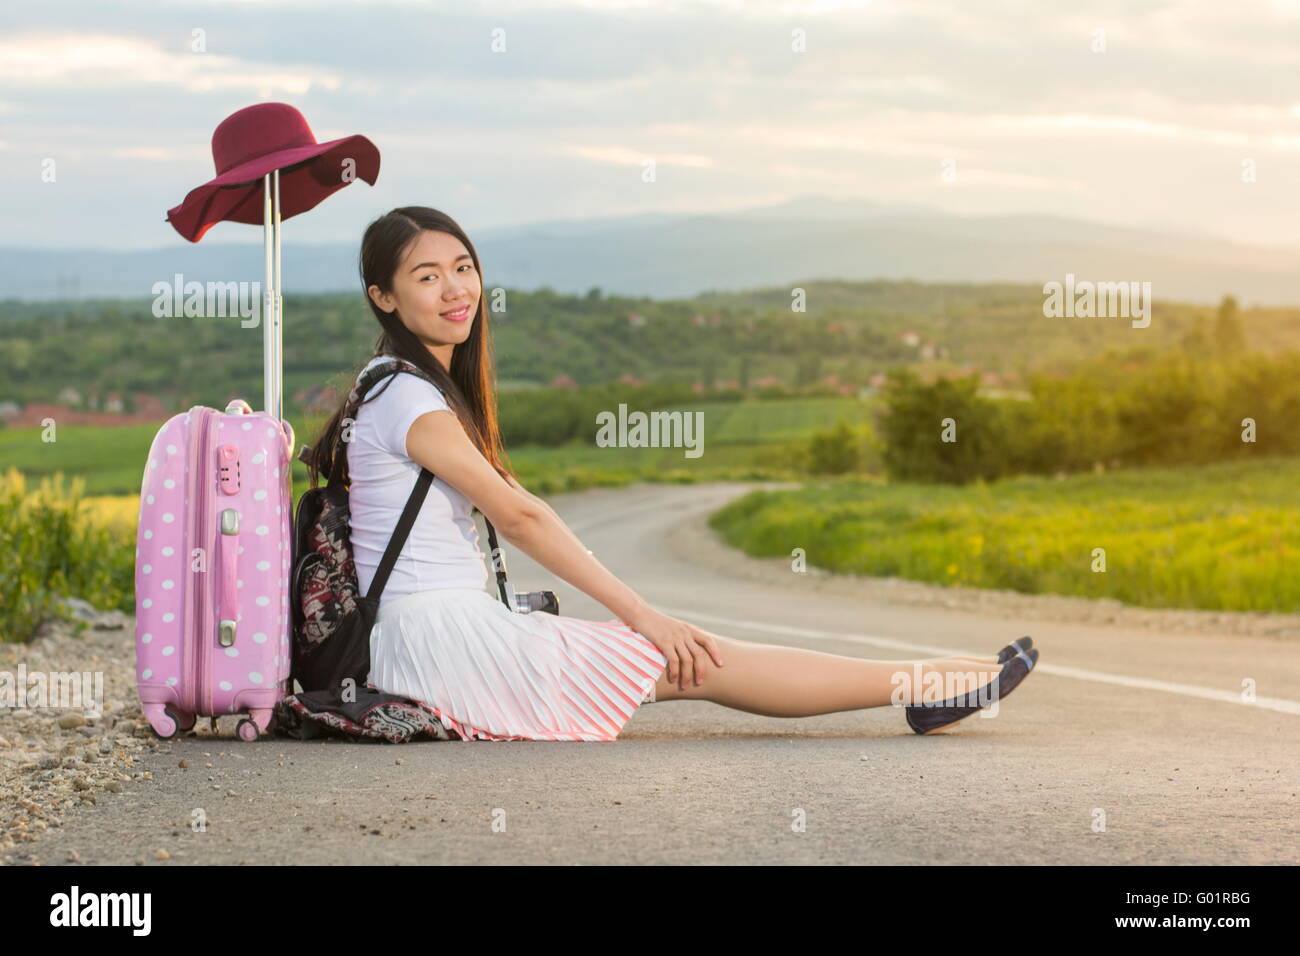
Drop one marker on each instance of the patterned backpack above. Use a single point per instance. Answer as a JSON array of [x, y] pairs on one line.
[[332, 619]]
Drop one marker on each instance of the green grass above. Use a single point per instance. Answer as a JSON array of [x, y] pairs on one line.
[[742, 440], [110, 461], [1220, 537], [60, 543], [573, 467], [780, 420]]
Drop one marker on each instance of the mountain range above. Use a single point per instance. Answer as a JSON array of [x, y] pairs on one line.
[[665, 255]]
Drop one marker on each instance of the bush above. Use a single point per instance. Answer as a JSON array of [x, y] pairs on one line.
[[835, 451], [1123, 409], [912, 431], [52, 549]]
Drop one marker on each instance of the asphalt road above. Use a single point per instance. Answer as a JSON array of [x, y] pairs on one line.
[[1145, 731]]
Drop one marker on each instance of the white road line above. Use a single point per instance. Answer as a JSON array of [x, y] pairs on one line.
[[1187, 690]]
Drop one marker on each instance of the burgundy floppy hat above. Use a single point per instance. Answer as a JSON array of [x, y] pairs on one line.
[[252, 142]]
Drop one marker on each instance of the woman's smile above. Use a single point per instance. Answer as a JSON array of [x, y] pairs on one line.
[[459, 314]]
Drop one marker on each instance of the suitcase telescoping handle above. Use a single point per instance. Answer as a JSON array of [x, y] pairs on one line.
[[272, 300]]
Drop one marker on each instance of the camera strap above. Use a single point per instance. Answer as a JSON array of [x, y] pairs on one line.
[[499, 564]]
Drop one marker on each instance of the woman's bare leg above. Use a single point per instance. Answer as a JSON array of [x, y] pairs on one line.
[[779, 681]]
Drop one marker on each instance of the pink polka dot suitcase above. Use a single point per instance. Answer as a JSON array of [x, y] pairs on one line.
[[212, 568], [214, 542]]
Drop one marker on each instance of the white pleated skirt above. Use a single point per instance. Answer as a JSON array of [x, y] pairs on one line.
[[490, 673]]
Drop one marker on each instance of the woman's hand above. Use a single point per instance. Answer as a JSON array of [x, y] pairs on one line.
[[687, 648]]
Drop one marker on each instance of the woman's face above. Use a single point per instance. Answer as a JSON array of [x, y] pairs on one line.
[[435, 290]]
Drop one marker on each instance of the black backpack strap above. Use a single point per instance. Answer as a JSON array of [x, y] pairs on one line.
[[416, 501], [363, 386], [400, 534]]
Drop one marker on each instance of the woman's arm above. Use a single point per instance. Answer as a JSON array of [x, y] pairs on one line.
[[564, 528], [514, 483], [437, 441]]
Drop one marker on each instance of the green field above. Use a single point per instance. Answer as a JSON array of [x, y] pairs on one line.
[[739, 423], [741, 440], [82, 543], [109, 460], [1219, 537]]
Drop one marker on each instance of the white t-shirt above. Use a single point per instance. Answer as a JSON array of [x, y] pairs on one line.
[[443, 549]]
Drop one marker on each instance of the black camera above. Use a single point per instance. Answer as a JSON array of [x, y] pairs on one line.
[[528, 601]]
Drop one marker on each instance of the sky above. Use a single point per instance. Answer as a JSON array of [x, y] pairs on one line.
[[1180, 116]]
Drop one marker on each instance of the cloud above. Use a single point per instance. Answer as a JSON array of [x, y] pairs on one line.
[[69, 61], [623, 156], [884, 91], [1128, 126], [993, 177]]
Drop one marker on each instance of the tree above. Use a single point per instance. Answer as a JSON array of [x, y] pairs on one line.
[[709, 370], [915, 422], [835, 451], [1229, 337], [1196, 341], [807, 368]]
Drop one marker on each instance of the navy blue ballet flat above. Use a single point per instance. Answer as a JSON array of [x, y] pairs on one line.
[[931, 718]]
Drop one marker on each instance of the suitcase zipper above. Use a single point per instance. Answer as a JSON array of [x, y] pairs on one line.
[[192, 625], [198, 612], [209, 544]]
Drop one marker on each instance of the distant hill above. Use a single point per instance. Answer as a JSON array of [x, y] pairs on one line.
[[106, 355], [671, 256]]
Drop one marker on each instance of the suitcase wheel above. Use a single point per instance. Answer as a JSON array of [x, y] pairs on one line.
[[247, 730], [164, 721]]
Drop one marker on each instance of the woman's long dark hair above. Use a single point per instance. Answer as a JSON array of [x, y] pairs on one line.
[[470, 387]]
